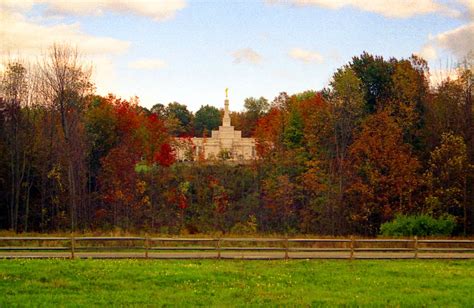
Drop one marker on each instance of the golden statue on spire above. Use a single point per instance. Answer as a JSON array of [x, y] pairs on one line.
[[226, 92]]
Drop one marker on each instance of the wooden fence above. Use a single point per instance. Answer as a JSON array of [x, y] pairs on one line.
[[248, 248]]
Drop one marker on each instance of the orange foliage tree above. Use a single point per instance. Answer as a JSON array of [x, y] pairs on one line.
[[384, 173]]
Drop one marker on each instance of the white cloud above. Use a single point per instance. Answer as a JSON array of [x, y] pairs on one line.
[[459, 41], [30, 37], [19, 35], [388, 8], [306, 56], [30, 40], [147, 64], [469, 6], [247, 55], [158, 10], [104, 74], [16, 5], [428, 52]]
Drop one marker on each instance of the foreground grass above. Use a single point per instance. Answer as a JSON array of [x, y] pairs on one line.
[[236, 283]]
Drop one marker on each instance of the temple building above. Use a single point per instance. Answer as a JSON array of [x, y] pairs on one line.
[[223, 144]]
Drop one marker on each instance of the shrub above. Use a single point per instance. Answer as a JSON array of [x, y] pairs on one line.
[[420, 225], [249, 227]]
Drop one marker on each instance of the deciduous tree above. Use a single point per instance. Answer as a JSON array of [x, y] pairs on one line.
[[385, 173]]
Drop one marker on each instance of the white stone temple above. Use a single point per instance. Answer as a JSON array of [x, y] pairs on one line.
[[223, 144]]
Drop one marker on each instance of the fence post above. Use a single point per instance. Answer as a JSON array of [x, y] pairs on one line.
[[286, 247], [352, 247], [416, 247], [73, 246], [218, 247], [146, 245]]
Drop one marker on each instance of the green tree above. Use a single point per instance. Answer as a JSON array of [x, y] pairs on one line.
[[159, 110], [293, 135], [409, 96], [344, 117], [376, 76], [466, 82], [447, 173], [100, 123], [179, 119], [256, 107], [207, 118], [445, 113]]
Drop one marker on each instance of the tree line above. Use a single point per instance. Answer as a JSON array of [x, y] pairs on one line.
[[377, 143]]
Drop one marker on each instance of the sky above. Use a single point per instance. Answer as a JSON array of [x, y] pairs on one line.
[[189, 51]]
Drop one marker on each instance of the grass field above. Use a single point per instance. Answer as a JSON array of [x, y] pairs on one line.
[[236, 283]]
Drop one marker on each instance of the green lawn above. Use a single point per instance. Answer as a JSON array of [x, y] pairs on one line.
[[236, 283]]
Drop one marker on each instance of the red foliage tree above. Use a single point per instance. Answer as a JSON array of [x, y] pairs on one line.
[[143, 142]]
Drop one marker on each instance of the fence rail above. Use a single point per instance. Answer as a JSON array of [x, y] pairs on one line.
[[259, 248]]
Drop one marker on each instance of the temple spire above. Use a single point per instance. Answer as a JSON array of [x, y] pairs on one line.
[[226, 119]]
